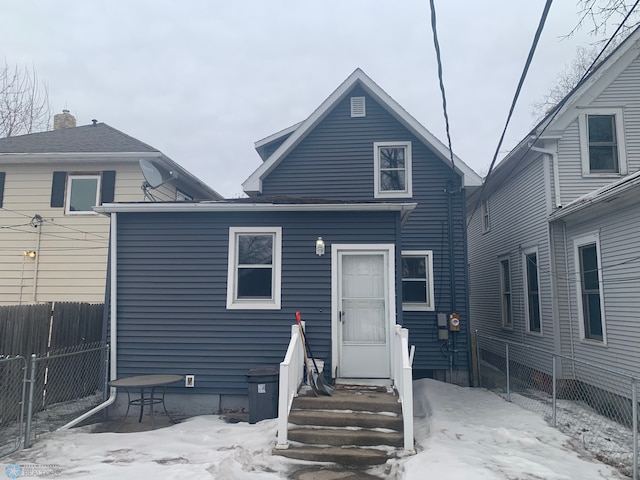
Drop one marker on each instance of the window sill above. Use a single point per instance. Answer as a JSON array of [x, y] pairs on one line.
[[81, 214], [535, 334], [507, 328], [603, 175], [253, 306], [595, 343], [392, 195], [417, 308]]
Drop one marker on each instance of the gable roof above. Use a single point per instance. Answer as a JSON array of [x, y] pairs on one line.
[[98, 137], [582, 95], [254, 183], [98, 142]]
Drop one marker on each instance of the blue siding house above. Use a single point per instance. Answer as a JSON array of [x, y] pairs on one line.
[[211, 288]]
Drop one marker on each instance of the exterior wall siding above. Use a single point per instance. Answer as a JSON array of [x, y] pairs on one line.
[[172, 287], [72, 254], [335, 161], [511, 232], [622, 92], [619, 234]]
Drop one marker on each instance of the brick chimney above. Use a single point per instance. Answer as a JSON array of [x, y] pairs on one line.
[[63, 120]]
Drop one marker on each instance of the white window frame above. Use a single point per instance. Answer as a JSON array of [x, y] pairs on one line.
[[503, 312], [525, 270], [408, 191], [183, 197], [584, 240], [234, 303], [429, 305], [486, 218], [70, 178], [620, 139]]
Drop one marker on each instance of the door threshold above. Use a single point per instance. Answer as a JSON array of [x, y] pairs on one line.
[[365, 382]]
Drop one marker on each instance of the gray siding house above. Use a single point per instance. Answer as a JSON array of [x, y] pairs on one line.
[[355, 218], [553, 240]]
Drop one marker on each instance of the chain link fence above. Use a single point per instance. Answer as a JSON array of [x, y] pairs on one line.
[[13, 376], [596, 406], [64, 385], [45, 392]]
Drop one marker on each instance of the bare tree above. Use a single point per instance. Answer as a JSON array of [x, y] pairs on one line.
[[603, 16], [566, 80], [24, 101]]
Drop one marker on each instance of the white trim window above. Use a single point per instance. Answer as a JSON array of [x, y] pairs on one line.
[[417, 280], [531, 280], [602, 144], [392, 170], [506, 308], [83, 193], [255, 264], [589, 288], [486, 220], [183, 197]]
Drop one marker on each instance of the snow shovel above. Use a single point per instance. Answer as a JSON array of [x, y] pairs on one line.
[[320, 386], [310, 379]]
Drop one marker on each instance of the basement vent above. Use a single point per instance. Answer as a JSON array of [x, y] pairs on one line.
[[358, 107]]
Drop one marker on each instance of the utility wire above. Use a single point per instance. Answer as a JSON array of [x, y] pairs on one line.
[[548, 120], [436, 45], [523, 76]]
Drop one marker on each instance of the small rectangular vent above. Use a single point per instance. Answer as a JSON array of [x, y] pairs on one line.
[[358, 108]]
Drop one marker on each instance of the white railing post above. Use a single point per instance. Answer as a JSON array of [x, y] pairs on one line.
[[290, 379], [403, 382]]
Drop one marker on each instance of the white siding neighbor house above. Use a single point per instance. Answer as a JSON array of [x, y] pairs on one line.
[[53, 245], [554, 235]]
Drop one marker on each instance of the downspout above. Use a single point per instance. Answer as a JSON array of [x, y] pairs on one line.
[[452, 280], [463, 205], [38, 220], [556, 172], [113, 324], [566, 267]]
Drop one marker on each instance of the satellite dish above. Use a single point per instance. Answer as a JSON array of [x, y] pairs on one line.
[[151, 174]]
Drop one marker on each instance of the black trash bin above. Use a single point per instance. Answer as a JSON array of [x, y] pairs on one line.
[[263, 392]]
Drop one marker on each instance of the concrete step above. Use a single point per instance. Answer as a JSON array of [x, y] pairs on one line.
[[353, 400], [353, 456], [345, 437], [346, 419]]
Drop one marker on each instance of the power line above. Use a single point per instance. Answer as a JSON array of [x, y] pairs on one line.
[[547, 120], [436, 45], [523, 76], [53, 235]]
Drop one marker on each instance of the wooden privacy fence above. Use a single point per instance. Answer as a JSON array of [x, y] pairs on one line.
[[29, 329]]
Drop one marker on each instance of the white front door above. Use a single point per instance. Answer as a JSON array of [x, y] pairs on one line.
[[364, 315]]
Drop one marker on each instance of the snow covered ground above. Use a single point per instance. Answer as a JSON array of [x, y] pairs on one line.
[[461, 433]]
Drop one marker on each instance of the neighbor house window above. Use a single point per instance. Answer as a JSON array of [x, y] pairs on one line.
[[417, 280], [253, 280], [183, 197], [83, 193], [532, 289], [505, 293], [392, 169], [486, 225], [589, 288], [602, 142]]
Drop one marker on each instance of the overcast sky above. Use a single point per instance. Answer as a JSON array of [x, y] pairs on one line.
[[203, 80]]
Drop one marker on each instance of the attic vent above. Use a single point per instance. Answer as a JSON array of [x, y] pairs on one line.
[[358, 107]]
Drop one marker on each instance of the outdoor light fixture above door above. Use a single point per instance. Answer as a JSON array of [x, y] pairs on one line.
[[29, 253], [319, 247]]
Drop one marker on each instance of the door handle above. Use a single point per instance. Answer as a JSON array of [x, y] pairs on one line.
[[341, 315]]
